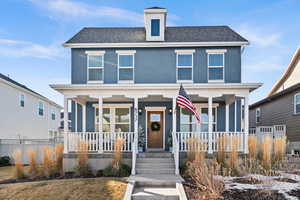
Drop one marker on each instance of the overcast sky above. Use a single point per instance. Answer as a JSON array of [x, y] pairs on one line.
[[32, 33]]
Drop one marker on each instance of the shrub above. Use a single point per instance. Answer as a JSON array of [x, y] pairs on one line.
[[33, 165], [221, 154], [19, 168], [123, 171], [4, 161], [266, 149], [195, 150], [279, 149], [204, 178], [83, 168], [117, 153], [48, 162], [59, 149]]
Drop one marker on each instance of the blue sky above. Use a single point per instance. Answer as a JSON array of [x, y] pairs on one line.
[[32, 31]]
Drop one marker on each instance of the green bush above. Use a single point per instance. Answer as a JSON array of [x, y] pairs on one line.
[[123, 171], [4, 161]]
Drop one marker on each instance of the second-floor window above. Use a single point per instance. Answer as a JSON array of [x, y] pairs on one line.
[[216, 65], [53, 115], [40, 108], [297, 103], [22, 100], [257, 115], [184, 65], [126, 66], [95, 66]]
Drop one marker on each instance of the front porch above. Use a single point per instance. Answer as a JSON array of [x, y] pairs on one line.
[[101, 114]]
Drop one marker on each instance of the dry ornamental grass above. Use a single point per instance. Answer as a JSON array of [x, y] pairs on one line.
[[117, 153], [33, 165], [19, 168]]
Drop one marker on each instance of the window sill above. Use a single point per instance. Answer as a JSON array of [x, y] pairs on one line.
[[124, 82], [95, 82], [216, 81], [185, 81]]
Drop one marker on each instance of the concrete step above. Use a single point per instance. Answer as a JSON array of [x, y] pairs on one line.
[[155, 193], [155, 155], [155, 160], [155, 171], [154, 165]]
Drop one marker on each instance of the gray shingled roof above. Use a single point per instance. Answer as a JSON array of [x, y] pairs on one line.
[[173, 34]]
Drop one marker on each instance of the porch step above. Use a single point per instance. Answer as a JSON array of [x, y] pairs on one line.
[[155, 160], [147, 164], [155, 155], [155, 193], [155, 171]]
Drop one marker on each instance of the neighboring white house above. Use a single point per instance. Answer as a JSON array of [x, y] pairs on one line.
[[26, 114]]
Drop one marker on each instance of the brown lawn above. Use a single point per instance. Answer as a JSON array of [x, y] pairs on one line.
[[74, 189]]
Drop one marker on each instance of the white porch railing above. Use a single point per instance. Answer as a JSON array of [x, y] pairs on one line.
[[207, 142], [98, 142]]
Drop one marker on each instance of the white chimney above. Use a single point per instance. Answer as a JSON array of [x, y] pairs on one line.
[[155, 23]]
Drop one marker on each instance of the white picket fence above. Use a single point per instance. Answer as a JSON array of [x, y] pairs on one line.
[[98, 142], [210, 140]]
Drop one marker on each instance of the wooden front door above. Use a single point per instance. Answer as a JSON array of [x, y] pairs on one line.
[[155, 129]]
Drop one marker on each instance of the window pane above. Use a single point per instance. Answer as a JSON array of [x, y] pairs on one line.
[[106, 128], [125, 74], [95, 74], [41, 112], [188, 127], [184, 60], [297, 98], [184, 73], [22, 103], [186, 117], [95, 61], [122, 127], [204, 127], [204, 115], [53, 116], [155, 23], [122, 115], [215, 73], [298, 108], [215, 59], [125, 60], [106, 115]]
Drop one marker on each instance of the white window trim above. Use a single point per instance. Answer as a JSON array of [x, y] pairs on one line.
[[185, 52], [20, 99], [112, 111], [256, 115], [126, 53], [217, 51], [295, 104], [38, 108], [199, 108], [95, 53]]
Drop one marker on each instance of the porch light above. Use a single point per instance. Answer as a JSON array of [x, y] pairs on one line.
[[170, 111], [140, 111]]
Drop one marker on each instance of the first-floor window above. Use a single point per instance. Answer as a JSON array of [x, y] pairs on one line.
[[52, 134], [188, 122], [114, 119], [297, 103], [40, 108]]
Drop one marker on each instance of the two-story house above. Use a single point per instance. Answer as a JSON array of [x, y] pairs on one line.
[[125, 80]]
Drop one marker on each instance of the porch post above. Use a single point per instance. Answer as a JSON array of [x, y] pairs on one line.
[[100, 125], [246, 110], [83, 118], [174, 115], [227, 118], [75, 116], [66, 124], [235, 115], [136, 115], [210, 127]]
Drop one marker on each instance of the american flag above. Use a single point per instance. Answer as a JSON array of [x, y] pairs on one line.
[[184, 101]]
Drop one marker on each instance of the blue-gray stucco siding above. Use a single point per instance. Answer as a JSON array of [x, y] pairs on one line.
[[157, 65]]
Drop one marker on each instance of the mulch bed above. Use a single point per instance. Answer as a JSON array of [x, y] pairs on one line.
[[287, 180], [247, 180], [235, 194]]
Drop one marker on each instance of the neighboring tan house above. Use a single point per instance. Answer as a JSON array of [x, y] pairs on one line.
[[125, 81], [282, 106], [25, 114]]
